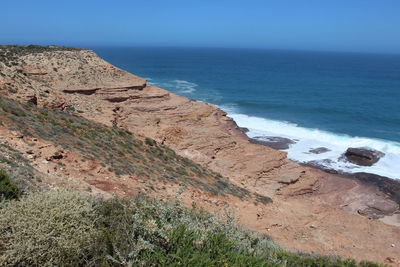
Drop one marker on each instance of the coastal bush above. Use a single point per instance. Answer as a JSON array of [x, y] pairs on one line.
[[293, 259], [8, 189], [54, 228], [20, 174], [150, 142], [65, 228], [146, 232], [189, 248]]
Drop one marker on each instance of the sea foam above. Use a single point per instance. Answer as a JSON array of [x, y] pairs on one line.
[[177, 86], [307, 139]]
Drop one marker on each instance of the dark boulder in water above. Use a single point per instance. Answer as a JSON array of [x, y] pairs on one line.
[[319, 150], [363, 156], [274, 142]]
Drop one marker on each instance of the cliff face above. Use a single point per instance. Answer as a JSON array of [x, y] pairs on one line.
[[311, 210]]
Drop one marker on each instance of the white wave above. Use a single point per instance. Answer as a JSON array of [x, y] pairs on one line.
[[185, 86], [177, 86], [307, 139]]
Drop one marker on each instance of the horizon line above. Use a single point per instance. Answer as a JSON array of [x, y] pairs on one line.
[[90, 46]]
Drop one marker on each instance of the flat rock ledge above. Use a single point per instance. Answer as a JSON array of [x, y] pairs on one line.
[[275, 142]]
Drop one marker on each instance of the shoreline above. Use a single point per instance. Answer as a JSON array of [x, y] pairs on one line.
[[388, 186], [326, 148]]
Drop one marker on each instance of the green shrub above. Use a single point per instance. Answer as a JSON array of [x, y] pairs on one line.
[[143, 232], [292, 259], [63, 228], [127, 233], [21, 175], [8, 189], [55, 228], [190, 248], [150, 142]]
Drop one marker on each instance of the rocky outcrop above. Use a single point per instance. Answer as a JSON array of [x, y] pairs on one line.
[[105, 91], [363, 156], [274, 142], [34, 70], [319, 150], [390, 187]]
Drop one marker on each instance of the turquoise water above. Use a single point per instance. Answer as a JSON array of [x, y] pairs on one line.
[[335, 100]]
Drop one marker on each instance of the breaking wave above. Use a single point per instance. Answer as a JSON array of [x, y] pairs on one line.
[[177, 86], [307, 139]]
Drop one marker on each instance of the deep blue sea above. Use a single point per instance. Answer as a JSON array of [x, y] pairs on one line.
[[321, 99]]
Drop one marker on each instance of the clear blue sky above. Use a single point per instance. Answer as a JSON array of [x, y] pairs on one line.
[[342, 25]]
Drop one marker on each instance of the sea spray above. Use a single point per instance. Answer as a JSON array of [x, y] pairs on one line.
[[307, 139]]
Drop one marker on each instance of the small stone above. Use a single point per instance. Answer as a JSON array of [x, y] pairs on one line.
[[20, 136], [30, 157], [392, 245], [390, 260], [45, 161]]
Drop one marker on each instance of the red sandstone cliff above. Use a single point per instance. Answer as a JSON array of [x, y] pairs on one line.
[[312, 211]]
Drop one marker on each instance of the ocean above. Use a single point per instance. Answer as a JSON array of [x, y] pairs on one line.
[[318, 99]]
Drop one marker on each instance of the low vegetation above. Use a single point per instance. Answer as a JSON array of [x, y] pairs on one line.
[[120, 150], [9, 54], [16, 173], [8, 189], [49, 229], [66, 228]]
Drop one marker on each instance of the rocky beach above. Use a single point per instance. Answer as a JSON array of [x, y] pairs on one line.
[[359, 156]]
